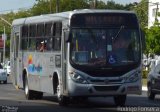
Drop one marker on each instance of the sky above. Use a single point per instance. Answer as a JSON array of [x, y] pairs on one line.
[[8, 5]]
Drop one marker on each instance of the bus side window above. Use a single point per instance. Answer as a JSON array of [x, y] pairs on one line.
[[24, 39], [40, 30], [57, 35], [31, 44], [32, 30], [31, 38], [49, 36], [24, 42], [49, 44]]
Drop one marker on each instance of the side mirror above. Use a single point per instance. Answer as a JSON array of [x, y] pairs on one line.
[[143, 40], [67, 36]]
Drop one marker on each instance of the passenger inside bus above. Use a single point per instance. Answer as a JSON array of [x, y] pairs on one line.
[[42, 46]]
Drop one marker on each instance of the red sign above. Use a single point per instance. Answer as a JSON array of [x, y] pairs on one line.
[[1, 43]]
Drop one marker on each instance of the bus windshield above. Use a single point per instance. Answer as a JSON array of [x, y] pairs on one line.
[[105, 47]]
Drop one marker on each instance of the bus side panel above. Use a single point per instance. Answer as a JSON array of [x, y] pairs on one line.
[[40, 67], [12, 75], [29, 59], [14, 54], [33, 82], [20, 70], [48, 69]]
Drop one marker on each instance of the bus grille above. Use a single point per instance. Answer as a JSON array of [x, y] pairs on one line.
[[109, 81], [106, 88]]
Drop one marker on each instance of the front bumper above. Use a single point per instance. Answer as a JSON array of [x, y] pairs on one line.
[[76, 89]]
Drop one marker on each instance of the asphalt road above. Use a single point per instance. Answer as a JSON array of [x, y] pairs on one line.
[[12, 100]]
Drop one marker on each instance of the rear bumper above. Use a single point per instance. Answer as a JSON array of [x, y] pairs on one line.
[[3, 78]]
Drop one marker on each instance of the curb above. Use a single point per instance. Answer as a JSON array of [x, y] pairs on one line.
[[17, 87]]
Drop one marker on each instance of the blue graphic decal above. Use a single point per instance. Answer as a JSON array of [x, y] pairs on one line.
[[32, 68], [111, 59]]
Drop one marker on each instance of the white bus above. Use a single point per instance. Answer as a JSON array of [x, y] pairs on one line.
[[83, 55]]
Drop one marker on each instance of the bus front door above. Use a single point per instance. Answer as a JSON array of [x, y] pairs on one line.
[[17, 68]]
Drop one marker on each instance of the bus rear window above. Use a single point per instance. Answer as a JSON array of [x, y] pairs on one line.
[[104, 20]]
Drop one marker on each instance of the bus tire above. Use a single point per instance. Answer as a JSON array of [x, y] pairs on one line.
[[28, 93], [62, 100], [120, 100], [38, 95], [5, 82]]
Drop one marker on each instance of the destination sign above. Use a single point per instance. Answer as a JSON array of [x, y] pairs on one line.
[[102, 20]]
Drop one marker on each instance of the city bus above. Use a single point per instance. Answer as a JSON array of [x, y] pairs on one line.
[[82, 55]]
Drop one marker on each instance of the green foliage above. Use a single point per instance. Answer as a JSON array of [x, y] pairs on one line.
[[129, 7], [41, 7], [49, 6], [153, 40], [141, 10], [112, 5], [68, 5]]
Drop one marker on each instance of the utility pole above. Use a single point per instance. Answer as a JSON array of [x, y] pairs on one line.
[[57, 6], [6, 21], [95, 4], [50, 5], [156, 16], [4, 44]]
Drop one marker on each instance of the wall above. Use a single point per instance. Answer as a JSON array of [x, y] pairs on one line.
[[152, 12]]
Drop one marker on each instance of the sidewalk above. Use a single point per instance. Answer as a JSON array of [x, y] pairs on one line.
[[144, 88]]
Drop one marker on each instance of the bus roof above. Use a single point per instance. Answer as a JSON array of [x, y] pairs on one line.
[[62, 16]]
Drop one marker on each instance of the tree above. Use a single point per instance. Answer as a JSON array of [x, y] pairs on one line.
[[129, 7], [43, 6], [112, 5], [141, 10], [153, 40], [68, 5]]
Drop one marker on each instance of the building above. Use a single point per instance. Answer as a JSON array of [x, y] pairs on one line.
[[153, 9]]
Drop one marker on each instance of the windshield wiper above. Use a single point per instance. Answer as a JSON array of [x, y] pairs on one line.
[[120, 29]]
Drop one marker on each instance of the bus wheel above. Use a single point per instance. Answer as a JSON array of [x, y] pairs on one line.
[[63, 100], [120, 100], [38, 95], [28, 93], [5, 82]]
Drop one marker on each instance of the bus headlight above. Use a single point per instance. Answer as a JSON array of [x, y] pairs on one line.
[[78, 78], [132, 78]]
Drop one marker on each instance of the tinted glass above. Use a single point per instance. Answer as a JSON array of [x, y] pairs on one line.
[[104, 19], [96, 47]]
